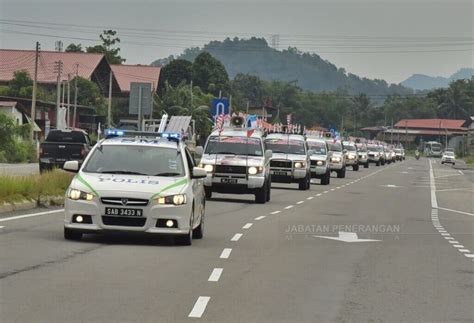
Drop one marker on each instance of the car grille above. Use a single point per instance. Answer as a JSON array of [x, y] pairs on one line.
[[227, 169], [315, 162], [280, 163], [124, 201], [124, 221]]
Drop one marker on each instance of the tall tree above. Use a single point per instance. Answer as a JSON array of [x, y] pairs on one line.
[[109, 40], [175, 73], [75, 48], [210, 74]]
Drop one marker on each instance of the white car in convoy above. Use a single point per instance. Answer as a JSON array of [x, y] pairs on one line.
[[290, 162], [237, 164], [144, 183], [352, 156], [448, 158], [319, 160], [362, 153], [337, 158]]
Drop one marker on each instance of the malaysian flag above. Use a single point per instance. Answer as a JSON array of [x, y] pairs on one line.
[[220, 122]]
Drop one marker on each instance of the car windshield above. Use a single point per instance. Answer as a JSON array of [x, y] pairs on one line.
[[286, 146], [335, 147], [232, 145], [373, 148], [135, 160], [449, 154], [318, 148], [349, 147], [362, 148]]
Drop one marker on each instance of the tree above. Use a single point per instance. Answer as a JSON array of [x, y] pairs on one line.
[[456, 103], [109, 40], [21, 79], [175, 73], [209, 74], [250, 87], [75, 48], [88, 94]]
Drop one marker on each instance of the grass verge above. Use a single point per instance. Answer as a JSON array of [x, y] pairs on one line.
[[17, 188]]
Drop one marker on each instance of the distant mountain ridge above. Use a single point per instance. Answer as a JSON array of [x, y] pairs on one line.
[[254, 56], [424, 82]]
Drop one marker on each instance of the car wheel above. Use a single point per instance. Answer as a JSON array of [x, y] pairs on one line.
[[366, 165], [198, 233], [187, 239], [72, 234], [355, 168], [208, 193], [377, 163], [269, 190], [303, 184], [326, 178], [261, 194]]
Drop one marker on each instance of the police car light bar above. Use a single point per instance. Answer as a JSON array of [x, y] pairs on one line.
[[110, 133]]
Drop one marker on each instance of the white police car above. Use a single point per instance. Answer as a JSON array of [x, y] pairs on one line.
[[136, 182]]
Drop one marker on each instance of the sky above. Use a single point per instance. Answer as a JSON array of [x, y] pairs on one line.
[[383, 39]]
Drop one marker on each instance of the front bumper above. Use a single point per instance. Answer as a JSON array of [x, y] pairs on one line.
[[234, 181], [287, 175], [151, 213], [351, 162]]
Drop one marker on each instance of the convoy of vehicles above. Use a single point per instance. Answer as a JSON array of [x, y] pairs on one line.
[[149, 182]]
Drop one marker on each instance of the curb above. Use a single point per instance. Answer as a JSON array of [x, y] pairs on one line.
[[31, 204]]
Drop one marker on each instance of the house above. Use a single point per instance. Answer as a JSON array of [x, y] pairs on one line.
[[127, 74]]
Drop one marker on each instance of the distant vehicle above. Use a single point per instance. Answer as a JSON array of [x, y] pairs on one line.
[[136, 182], [319, 160], [398, 154], [448, 158], [337, 158], [61, 146], [432, 149], [375, 154], [363, 155], [352, 156], [237, 164], [290, 162]]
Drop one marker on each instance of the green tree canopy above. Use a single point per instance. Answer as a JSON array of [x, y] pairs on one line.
[[109, 40], [76, 48], [210, 74], [175, 73]]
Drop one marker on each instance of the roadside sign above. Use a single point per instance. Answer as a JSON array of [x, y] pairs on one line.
[[219, 106], [140, 97]]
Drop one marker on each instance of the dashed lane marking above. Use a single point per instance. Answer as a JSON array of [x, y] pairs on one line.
[[215, 275], [199, 306], [225, 253], [465, 250], [461, 172], [300, 202], [319, 194], [247, 226], [288, 207], [258, 218], [310, 198], [236, 237], [274, 212], [455, 211]]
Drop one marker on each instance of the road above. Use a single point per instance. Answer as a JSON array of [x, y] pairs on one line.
[[277, 262], [19, 169]]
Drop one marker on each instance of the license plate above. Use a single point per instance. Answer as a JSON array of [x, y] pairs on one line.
[[229, 180], [123, 212], [279, 173]]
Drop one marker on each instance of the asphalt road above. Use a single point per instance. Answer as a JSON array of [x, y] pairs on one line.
[[265, 263]]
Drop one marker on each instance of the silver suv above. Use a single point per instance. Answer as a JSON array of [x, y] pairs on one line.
[[352, 157], [319, 160], [290, 159], [237, 164], [337, 159]]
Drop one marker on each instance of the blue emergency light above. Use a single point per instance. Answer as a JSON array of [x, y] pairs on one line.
[[111, 133]]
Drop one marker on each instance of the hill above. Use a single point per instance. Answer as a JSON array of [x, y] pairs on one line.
[[426, 82], [254, 56]]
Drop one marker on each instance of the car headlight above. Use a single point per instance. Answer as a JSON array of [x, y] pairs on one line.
[[300, 164], [336, 159], [75, 195], [252, 170], [207, 168], [178, 199], [351, 156], [320, 163]]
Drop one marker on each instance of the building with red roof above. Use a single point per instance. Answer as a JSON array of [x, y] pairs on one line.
[[127, 74]]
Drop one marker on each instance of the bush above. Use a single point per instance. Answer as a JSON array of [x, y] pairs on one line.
[[15, 146]]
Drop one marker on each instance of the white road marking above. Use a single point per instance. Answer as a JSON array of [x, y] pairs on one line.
[[458, 246], [332, 189], [455, 211], [300, 202], [275, 212], [445, 234], [310, 198], [467, 189], [200, 306], [469, 255], [225, 253], [319, 194], [460, 172], [325, 192], [236, 237], [449, 238], [247, 226], [454, 242], [30, 215], [288, 207], [464, 250], [215, 275], [258, 218]]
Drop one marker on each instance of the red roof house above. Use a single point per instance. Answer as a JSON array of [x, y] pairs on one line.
[[126, 74]]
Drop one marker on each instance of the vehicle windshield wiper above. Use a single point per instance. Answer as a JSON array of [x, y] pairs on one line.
[[168, 174], [278, 152], [258, 155], [122, 172]]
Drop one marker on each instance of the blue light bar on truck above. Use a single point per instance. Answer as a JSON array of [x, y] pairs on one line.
[[110, 133]]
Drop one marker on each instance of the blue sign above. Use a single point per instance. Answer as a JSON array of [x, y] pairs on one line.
[[219, 106]]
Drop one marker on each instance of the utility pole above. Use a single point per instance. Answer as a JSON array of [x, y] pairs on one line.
[[33, 99], [192, 108], [68, 101], [406, 133], [109, 109], [391, 134], [75, 96], [59, 68]]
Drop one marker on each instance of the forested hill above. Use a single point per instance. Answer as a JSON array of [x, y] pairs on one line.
[[254, 56]]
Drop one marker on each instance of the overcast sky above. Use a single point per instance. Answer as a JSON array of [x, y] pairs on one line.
[[415, 36]]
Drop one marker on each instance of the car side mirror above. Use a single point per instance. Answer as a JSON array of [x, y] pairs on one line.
[[345, 151], [71, 166], [268, 154], [310, 152], [199, 173]]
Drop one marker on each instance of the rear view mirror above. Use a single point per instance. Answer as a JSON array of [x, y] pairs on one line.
[[268, 154], [199, 172], [71, 166]]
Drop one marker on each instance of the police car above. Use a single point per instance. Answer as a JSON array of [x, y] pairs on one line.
[[363, 155], [352, 157], [376, 154], [136, 182], [237, 163], [290, 162], [319, 160], [337, 158]]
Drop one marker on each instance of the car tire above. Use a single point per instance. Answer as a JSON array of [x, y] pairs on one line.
[[355, 168], [366, 165], [442, 163], [269, 190], [326, 178], [303, 184], [377, 163], [70, 234], [186, 239], [341, 173], [208, 193], [198, 233], [261, 194], [382, 163]]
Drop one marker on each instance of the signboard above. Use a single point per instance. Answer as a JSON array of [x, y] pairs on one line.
[[140, 95], [219, 106]]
